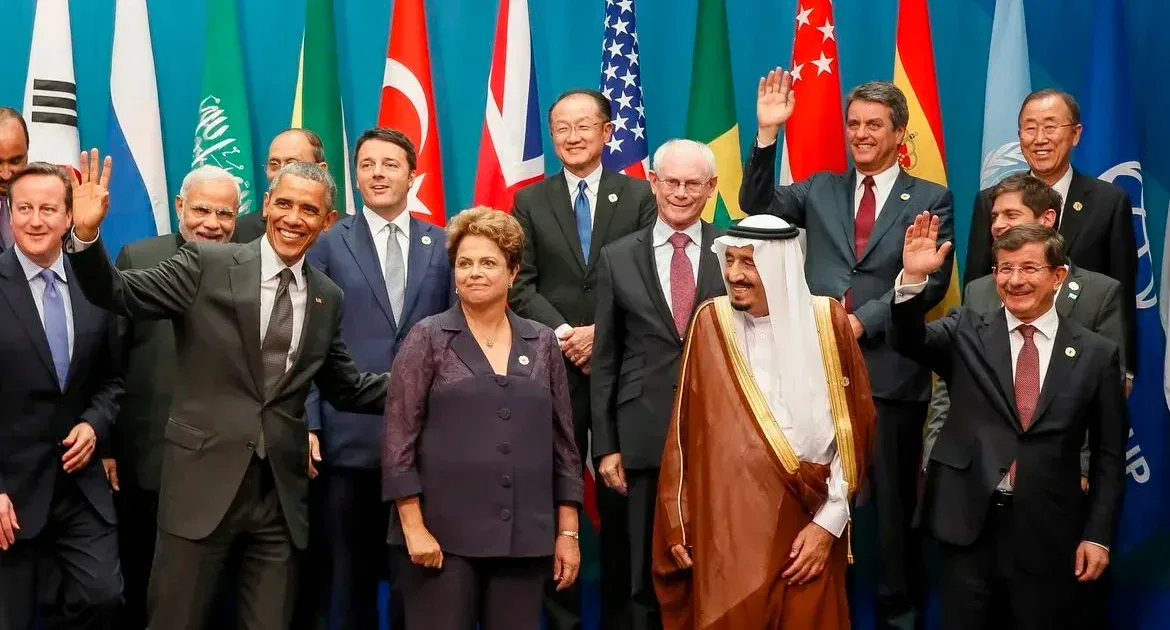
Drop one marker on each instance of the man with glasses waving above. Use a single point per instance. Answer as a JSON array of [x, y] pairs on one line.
[[1095, 218], [567, 219]]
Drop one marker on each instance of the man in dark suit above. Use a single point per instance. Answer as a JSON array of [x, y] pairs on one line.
[[567, 219], [394, 272], [1002, 490], [254, 327], [290, 145], [648, 285], [62, 379], [855, 223], [1096, 217], [206, 209], [13, 158]]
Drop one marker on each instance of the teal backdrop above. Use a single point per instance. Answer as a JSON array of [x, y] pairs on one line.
[[567, 44]]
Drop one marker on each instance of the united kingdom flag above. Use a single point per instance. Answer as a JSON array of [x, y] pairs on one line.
[[621, 82]]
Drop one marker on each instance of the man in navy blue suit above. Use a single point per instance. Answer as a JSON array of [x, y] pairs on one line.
[[394, 271]]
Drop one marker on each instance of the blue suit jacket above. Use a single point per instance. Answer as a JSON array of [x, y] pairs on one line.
[[347, 255]]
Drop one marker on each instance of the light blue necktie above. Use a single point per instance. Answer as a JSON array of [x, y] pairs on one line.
[[584, 222], [56, 325]]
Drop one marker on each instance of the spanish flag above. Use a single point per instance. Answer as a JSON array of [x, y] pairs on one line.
[[921, 153]]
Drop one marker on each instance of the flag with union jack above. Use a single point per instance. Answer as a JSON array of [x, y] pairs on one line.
[[621, 82]]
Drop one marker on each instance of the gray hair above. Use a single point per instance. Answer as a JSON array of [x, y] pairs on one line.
[[311, 172], [678, 144], [885, 93], [208, 173]]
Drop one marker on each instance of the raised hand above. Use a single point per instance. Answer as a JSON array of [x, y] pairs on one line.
[[91, 196], [921, 254], [775, 102]]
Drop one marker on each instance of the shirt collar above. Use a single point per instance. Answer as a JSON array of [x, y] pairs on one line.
[[662, 231], [1062, 185], [1046, 323], [32, 269], [883, 180], [592, 180], [271, 265], [378, 223]]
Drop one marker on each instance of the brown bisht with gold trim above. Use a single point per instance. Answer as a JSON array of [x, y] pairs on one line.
[[733, 492]]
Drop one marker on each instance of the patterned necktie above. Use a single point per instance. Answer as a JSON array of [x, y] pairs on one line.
[[862, 226], [56, 325], [395, 273], [584, 221], [682, 282], [5, 226], [1027, 384], [277, 341]]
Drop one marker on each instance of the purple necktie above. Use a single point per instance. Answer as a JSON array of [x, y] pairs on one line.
[[682, 282], [5, 226]]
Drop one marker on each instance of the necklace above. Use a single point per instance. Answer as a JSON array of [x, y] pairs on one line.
[[491, 343]]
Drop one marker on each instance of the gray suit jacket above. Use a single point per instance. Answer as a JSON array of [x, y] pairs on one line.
[[1090, 299], [823, 206], [211, 291]]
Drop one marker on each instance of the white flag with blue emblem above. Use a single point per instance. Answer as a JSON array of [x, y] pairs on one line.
[[1008, 82]]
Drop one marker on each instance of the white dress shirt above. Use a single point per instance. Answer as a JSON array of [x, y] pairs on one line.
[[379, 226], [883, 183], [270, 267], [592, 181], [664, 254], [36, 284], [1061, 187], [756, 336]]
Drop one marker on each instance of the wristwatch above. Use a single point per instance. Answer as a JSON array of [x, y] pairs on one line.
[[570, 533]]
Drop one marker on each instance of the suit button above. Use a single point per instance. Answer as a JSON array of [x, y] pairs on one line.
[[506, 481], [505, 514], [251, 446], [504, 413], [675, 387], [854, 272], [1003, 471], [502, 381], [588, 287], [504, 448]]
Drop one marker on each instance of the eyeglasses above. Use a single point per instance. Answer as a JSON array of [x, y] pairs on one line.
[[202, 212], [1032, 131], [582, 129], [692, 187], [1027, 270]]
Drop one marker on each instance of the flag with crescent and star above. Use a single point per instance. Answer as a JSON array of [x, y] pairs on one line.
[[621, 82]]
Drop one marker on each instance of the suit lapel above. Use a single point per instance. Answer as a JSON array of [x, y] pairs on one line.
[[360, 242], [710, 268], [648, 269], [1066, 300], [85, 317], [563, 211], [522, 357], [244, 280], [891, 210], [1060, 366], [425, 241], [845, 193], [997, 351], [609, 185], [14, 287], [313, 306], [464, 345], [1072, 218]]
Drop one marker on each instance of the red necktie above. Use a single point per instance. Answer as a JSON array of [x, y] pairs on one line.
[[682, 282], [1027, 384], [862, 226]]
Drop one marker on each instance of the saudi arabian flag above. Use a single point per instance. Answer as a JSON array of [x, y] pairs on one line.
[[711, 114], [317, 105], [223, 136]]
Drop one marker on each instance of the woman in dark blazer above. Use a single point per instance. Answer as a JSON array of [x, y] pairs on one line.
[[479, 455]]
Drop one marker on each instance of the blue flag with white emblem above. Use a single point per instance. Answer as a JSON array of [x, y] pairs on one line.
[[1109, 150]]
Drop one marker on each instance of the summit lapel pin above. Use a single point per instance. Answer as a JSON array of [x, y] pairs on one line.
[[612, 197], [1077, 206], [317, 300], [905, 197], [426, 239], [1070, 352]]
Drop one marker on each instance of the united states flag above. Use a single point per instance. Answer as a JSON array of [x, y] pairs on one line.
[[621, 82]]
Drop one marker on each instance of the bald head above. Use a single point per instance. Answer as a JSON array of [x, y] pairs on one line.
[[294, 145]]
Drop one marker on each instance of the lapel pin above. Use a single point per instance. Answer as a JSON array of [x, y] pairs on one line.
[[1070, 352], [523, 359], [1073, 286], [317, 300], [613, 197], [905, 197], [1077, 206], [426, 239], [1072, 296]]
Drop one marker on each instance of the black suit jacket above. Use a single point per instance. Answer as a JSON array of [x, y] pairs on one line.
[[636, 347], [149, 350], [212, 293], [35, 415], [823, 206], [1099, 236], [250, 227], [983, 435]]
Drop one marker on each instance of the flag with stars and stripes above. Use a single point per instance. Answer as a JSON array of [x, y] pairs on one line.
[[621, 82]]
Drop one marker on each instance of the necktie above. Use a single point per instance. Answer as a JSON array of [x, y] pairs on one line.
[[395, 273], [862, 226], [5, 226], [682, 282], [277, 341], [56, 325], [584, 221], [1027, 384]]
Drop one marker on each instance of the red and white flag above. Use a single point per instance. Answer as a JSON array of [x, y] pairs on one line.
[[511, 151], [408, 105], [50, 92], [814, 137]]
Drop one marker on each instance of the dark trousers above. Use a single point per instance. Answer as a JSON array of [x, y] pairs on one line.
[[67, 576], [982, 589], [356, 525], [137, 529], [643, 500], [187, 574], [496, 593], [894, 483], [313, 573]]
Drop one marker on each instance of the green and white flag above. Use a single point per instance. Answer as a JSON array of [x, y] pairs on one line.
[[711, 113], [223, 136]]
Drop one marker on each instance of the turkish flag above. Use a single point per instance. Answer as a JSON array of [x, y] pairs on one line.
[[408, 105], [814, 137]]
